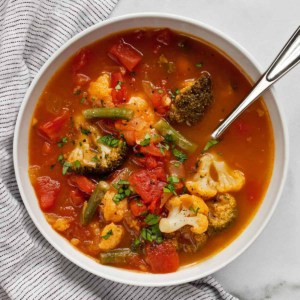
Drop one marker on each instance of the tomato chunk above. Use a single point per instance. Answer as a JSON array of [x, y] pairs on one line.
[[47, 190], [119, 88], [83, 183], [125, 54], [162, 258], [137, 208], [153, 150], [46, 149], [51, 129], [160, 101], [148, 184]]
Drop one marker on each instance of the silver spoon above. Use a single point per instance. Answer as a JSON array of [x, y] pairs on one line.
[[288, 58]]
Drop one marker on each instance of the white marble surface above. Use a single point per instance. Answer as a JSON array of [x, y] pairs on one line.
[[270, 268]]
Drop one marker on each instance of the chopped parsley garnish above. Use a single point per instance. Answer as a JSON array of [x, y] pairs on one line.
[[163, 148], [118, 86], [152, 234], [152, 219], [52, 167], [107, 235], [195, 211], [180, 156], [210, 144], [177, 92], [60, 158], [123, 190], [170, 186], [199, 65], [66, 166], [95, 158], [82, 100], [85, 131], [169, 138], [62, 142], [146, 140], [109, 140], [76, 164]]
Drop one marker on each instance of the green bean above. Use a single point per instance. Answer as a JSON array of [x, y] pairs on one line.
[[109, 113], [117, 256], [166, 129], [90, 207]]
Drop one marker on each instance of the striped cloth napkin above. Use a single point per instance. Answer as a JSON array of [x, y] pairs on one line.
[[30, 268]]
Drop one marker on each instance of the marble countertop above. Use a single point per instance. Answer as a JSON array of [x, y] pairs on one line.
[[270, 268]]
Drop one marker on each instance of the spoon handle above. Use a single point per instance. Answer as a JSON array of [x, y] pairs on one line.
[[288, 58]]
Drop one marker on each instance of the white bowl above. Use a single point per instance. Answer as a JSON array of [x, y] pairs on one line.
[[187, 273]]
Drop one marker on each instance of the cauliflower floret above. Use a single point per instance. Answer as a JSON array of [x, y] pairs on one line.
[[111, 211], [59, 223], [111, 236], [204, 185], [185, 210], [100, 90]]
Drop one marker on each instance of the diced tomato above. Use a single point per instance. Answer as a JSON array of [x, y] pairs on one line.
[[81, 79], [137, 208], [51, 129], [125, 54], [77, 197], [83, 183], [79, 61], [153, 150], [129, 136], [47, 191], [164, 36], [158, 99], [148, 184], [119, 88], [162, 258], [147, 161], [46, 149]]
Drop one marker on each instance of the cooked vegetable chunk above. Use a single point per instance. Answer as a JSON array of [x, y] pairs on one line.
[[90, 207], [113, 211], [192, 101], [111, 236], [204, 185], [185, 210], [117, 256], [222, 211], [95, 153]]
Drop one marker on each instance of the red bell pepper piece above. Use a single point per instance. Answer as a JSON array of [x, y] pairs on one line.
[[119, 88]]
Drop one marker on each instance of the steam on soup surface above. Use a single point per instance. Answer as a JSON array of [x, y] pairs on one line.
[[120, 156]]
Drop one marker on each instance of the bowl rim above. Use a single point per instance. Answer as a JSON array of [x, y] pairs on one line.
[[175, 18]]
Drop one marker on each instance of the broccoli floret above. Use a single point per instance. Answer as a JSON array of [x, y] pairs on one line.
[[95, 153], [190, 104], [222, 211]]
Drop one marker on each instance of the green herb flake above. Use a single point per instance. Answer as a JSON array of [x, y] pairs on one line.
[[77, 164], [52, 167], [123, 190], [180, 156], [107, 235], [95, 159], [62, 142], [85, 131], [152, 234], [152, 219], [60, 158], [118, 86], [146, 140], [199, 65], [170, 186], [210, 144], [193, 210], [169, 138], [82, 100], [109, 140], [66, 167]]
